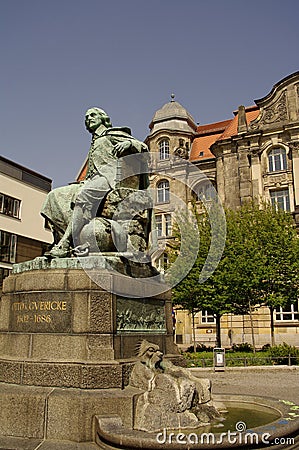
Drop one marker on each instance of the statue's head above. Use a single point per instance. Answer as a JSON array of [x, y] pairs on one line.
[[150, 355], [94, 117]]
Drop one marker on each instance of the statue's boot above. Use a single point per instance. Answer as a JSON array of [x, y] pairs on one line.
[[81, 216], [62, 249]]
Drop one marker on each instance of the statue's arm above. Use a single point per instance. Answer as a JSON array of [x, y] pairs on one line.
[[123, 146]]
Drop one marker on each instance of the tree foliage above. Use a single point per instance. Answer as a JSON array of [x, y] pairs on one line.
[[258, 266]]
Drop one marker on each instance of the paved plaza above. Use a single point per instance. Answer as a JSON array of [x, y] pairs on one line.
[[279, 382]]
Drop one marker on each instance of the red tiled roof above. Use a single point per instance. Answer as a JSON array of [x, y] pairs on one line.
[[213, 127], [232, 128], [206, 136], [201, 147], [210, 133]]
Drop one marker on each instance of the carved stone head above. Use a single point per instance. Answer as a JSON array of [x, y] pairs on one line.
[[150, 355]]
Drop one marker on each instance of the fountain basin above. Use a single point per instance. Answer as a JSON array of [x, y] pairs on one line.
[[276, 422]]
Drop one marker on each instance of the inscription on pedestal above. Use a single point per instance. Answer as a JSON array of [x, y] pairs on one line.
[[37, 312], [140, 315]]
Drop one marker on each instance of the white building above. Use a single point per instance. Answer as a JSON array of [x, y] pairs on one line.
[[23, 232]]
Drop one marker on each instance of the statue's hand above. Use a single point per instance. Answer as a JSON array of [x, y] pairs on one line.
[[121, 147]]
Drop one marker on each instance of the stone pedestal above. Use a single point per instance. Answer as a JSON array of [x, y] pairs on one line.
[[59, 329]]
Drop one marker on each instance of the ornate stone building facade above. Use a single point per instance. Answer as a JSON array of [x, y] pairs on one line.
[[253, 155]]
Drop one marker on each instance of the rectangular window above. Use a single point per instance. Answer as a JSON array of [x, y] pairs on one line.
[[163, 225], [168, 227], [280, 199], [8, 244], [159, 225], [287, 313], [10, 206], [206, 317]]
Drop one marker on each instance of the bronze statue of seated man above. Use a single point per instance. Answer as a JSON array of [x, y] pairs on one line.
[[72, 209]]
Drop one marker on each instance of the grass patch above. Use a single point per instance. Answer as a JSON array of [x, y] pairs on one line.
[[240, 359]]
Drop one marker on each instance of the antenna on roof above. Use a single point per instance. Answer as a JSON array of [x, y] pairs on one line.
[[172, 97]]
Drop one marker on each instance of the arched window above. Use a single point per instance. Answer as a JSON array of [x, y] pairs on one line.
[[205, 191], [163, 191], [277, 158], [164, 149]]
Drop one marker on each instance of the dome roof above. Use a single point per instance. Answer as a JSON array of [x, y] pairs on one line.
[[172, 110]]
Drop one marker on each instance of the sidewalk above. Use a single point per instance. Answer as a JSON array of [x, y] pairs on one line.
[[280, 382]]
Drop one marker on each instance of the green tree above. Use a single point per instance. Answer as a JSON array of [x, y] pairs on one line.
[[203, 287], [259, 265], [183, 251], [276, 242]]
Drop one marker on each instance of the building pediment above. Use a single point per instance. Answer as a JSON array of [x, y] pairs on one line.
[[280, 106]]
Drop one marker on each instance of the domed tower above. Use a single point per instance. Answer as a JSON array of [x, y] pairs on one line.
[[172, 130]]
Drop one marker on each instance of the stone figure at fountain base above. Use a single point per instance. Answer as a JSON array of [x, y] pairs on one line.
[[172, 397]]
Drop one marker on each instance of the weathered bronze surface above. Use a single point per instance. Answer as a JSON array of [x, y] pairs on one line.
[[140, 315], [89, 216]]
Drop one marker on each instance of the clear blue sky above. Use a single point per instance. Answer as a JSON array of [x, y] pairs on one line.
[[60, 57]]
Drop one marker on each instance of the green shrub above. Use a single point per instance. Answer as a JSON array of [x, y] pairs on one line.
[[244, 347], [282, 352], [266, 348], [199, 348]]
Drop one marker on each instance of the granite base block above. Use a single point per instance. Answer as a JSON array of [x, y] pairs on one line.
[[59, 414], [22, 411], [85, 376]]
